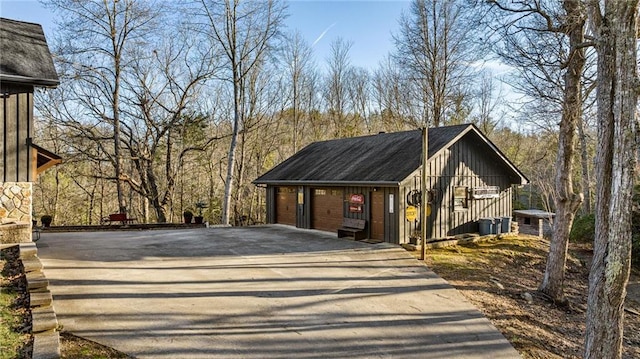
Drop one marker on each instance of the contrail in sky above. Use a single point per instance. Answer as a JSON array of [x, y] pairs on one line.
[[322, 35]]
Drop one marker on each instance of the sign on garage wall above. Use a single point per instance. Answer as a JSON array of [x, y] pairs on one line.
[[356, 201]]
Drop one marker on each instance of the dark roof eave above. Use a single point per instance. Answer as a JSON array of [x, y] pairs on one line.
[[30, 80], [43, 151], [328, 183]]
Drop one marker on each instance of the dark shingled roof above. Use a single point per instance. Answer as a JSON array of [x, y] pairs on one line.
[[386, 158], [24, 54]]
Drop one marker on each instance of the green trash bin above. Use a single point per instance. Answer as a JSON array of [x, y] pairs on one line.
[[486, 226], [497, 227], [506, 224]]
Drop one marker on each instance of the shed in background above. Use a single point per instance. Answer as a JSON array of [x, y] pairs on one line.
[[534, 222]]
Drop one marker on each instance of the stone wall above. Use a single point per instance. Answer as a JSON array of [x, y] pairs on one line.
[[15, 201], [15, 208], [538, 227]]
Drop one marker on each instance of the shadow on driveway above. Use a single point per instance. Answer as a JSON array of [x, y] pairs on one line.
[[258, 292]]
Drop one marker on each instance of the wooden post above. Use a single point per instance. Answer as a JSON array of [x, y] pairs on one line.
[[423, 188]]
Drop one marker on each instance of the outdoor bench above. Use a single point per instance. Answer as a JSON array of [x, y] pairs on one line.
[[352, 227], [118, 217]]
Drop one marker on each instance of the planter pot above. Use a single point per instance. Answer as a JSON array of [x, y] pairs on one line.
[[198, 219], [46, 221]]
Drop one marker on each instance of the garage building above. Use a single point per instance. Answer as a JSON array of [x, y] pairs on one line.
[[377, 179]]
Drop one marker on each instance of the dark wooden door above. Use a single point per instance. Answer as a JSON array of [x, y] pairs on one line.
[[326, 209], [377, 215], [286, 205]]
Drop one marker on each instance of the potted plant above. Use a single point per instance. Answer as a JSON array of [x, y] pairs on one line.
[[199, 218], [188, 215], [46, 220]]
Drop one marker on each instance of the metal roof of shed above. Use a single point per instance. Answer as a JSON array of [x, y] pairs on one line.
[[382, 159], [24, 54]]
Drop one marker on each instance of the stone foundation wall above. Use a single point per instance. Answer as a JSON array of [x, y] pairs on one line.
[[16, 204], [16, 201], [539, 227]]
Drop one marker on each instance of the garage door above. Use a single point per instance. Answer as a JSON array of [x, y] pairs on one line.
[[286, 205], [326, 209]]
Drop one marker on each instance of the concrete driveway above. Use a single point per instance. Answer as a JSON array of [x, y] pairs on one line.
[[258, 292]]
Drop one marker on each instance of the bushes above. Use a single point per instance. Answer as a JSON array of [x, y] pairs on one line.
[[584, 229]]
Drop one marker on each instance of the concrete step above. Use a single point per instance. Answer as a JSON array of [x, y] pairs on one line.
[[43, 319], [28, 250], [40, 299], [36, 281], [46, 345], [32, 264]]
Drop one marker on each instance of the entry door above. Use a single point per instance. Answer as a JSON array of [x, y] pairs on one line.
[[377, 215]]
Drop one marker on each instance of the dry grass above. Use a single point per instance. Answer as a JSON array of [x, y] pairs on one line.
[[495, 276], [15, 316]]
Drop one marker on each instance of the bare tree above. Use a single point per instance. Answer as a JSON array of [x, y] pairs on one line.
[[615, 28], [562, 32], [568, 201], [262, 92], [96, 36], [488, 99], [359, 97], [392, 96], [246, 32], [162, 90], [586, 163], [336, 91], [123, 72], [298, 61], [435, 47]]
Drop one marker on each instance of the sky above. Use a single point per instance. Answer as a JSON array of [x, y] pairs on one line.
[[367, 24]]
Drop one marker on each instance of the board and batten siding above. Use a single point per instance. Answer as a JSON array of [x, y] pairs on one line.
[[390, 209], [16, 126], [464, 164]]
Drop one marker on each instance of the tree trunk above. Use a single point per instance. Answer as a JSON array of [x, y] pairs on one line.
[[152, 192], [240, 197], [145, 209], [92, 202], [568, 202], [122, 206], [115, 107], [586, 174], [228, 185], [615, 164]]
